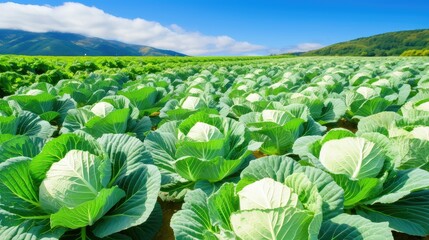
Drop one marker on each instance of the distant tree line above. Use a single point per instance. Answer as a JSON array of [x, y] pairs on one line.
[[387, 44], [422, 52]]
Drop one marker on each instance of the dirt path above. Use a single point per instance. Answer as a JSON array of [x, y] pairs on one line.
[[168, 209]]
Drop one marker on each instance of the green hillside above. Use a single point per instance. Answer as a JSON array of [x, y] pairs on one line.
[[386, 44], [67, 44]]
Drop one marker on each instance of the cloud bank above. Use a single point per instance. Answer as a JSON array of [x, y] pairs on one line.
[[90, 21], [302, 47]]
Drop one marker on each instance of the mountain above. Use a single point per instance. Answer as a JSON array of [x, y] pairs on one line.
[[386, 44], [68, 44]]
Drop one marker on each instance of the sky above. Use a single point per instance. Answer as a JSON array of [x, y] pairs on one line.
[[219, 27]]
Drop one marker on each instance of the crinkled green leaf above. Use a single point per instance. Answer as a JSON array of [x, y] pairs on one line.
[[212, 170], [162, 147], [126, 153], [267, 194], [141, 189], [402, 183], [356, 191], [87, 213], [275, 167], [357, 158], [17, 146], [37, 104], [75, 179], [193, 220], [222, 204], [380, 122], [350, 227], [8, 125], [148, 229], [33, 126], [202, 150], [114, 122], [278, 223], [20, 214], [56, 149], [409, 215]]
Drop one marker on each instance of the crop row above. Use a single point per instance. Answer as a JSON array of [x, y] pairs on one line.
[[308, 148]]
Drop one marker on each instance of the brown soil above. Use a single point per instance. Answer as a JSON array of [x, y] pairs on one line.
[[168, 209], [402, 236], [154, 114], [344, 123], [258, 154]]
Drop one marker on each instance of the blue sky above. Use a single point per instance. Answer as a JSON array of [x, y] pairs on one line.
[[228, 27]]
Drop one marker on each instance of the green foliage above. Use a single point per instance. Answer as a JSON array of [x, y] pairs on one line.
[[256, 147], [404, 43], [421, 52], [66, 187]]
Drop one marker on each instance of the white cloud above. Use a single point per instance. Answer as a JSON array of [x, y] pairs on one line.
[[302, 47], [90, 21]]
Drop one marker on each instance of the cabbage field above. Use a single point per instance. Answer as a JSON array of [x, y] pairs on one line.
[[214, 148]]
